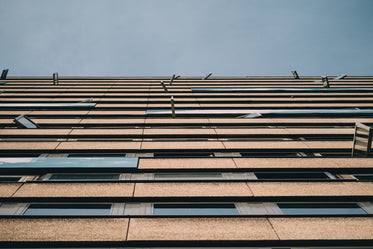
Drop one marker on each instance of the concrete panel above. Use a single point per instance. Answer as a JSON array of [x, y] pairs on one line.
[[57, 121], [200, 229], [342, 228], [14, 112], [270, 131], [28, 145], [179, 131], [107, 132], [288, 145], [35, 131], [55, 229], [99, 146], [75, 190], [192, 189], [117, 112], [329, 144], [311, 188], [59, 112], [186, 163], [265, 145], [354, 162], [182, 145], [112, 121], [8, 189], [177, 121], [304, 162]]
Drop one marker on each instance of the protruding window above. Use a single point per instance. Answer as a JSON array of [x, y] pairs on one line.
[[23, 121]]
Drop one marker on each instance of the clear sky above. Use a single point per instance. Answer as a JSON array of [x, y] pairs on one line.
[[187, 37]]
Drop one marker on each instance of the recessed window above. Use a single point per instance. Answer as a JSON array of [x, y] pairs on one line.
[[320, 208], [367, 177], [292, 175], [195, 209], [10, 178], [68, 209], [73, 177], [202, 175]]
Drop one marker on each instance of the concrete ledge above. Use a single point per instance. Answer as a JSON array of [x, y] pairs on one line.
[[200, 229], [323, 228], [55, 229], [75, 190]]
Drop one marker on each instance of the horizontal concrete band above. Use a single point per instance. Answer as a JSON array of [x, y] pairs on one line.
[[187, 189], [182, 145], [185, 229]]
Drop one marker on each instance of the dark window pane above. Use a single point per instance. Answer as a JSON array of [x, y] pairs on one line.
[[195, 209], [291, 175], [364, 177], [321, 208], [84, 177], [68, 209], [10, 179]]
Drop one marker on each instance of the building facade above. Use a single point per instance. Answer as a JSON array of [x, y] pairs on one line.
[[186, 162]]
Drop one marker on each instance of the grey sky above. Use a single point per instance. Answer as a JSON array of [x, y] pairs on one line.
[[187, 37]]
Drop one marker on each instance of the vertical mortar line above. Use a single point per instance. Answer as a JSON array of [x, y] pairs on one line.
[[273, 228], [128, 229], [144, 123], [17, 189], [129, 219]]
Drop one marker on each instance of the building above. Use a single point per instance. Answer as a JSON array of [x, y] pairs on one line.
[[248, 162]]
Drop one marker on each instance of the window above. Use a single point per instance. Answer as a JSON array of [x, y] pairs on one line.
[[10, 178], [365, 177], [73, 177], [292, 175], [23, 121], [195, 209], [68, 209], [320, 208]]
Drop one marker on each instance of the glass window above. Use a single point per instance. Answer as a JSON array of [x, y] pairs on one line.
[[10, 178], [292, 175], [364, 177], [202, 175], [72, 177], [68, 209], [320, 208], [195, 209]]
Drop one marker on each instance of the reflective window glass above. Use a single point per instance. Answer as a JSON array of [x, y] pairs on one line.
[[364, 177], [9, 178], [320, 208], [292, 175], [195, 209], [67, 177], [68, 209]]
